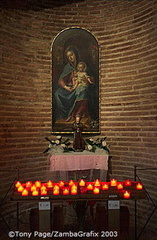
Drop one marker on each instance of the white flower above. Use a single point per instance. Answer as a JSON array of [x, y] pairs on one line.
[[89, 147], [91, 139], [58, 137], [57, 142], [63, 145], [104, 143], [50, 145]]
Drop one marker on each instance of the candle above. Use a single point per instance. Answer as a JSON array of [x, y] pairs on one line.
[[18, 184], [89, 186], [33, 188], [20, 188], [139, 186], [119, 186], [126, 195], [49, 184], [35, 193], [96, 190], [66, 191], [43, 188], [74, 190], [56, 187], [127, 182], [105, 186], [71, 182], [113, 182], [44, 192], [25, 192], [55, 191], [61, 183], [82, 183], [28, 184], [38, 184], [97, 183]]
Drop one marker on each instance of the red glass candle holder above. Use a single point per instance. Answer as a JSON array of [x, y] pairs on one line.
[[139, 186], [113, 182], [126, 195]]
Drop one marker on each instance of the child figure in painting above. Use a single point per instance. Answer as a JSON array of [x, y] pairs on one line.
[[81, 77]]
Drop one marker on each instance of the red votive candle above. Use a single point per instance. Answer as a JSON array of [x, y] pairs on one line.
[[105, 186], [96, 190], [38, 184], [128, 182], [17, 184], [71, 183], [66, 191], [89, 186], [97, 183], [82, 183], [49, 184], [25, 192], [61, 183], [74, 190], [139, 186], [119, 186], [43, 192], [55, 191], [20, 188], [126, 194], [113, 182], [35, 193], [33, 188], [28, 184]]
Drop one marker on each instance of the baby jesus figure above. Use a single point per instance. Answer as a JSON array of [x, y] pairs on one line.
[[81, 77]]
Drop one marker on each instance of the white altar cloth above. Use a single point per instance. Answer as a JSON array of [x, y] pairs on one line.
[[73, 161]]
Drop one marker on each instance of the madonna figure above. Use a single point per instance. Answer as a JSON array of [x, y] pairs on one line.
[[71, 101]]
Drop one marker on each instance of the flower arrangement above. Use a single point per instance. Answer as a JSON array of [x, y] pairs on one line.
[[66, 145], [92, 144]]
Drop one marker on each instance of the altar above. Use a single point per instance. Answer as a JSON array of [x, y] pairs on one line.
[[92, 164]]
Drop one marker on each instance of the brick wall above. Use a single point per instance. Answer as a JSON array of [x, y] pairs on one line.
[[126, 32]]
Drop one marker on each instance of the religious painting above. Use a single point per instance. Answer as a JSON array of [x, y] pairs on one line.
[[75, 81]]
